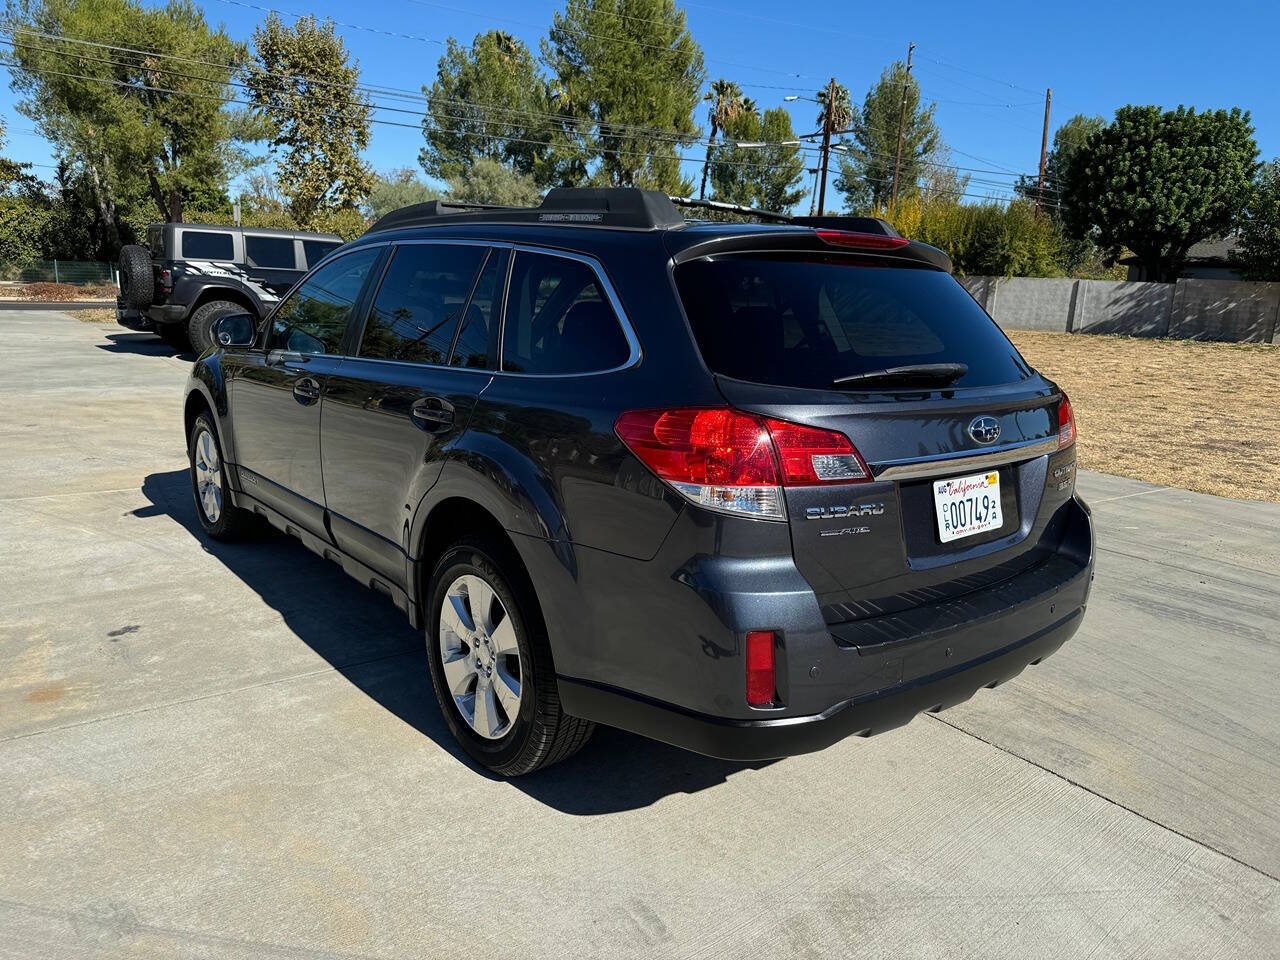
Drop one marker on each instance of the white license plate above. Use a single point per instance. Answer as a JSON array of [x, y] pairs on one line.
[[967, 505]]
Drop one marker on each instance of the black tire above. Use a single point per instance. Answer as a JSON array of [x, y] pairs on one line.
[[200, 323], [175, 335], [230, 522], [137, 282], [541, 734]]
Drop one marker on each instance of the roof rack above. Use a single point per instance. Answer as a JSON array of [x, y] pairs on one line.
[[621, 207]]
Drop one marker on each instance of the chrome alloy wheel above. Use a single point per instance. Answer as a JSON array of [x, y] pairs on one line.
[[481, 658], [208, 469]]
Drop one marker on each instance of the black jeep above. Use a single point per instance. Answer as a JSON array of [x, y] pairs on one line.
[[191, 274]]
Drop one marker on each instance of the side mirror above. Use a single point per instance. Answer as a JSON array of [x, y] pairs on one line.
[[235, 330]]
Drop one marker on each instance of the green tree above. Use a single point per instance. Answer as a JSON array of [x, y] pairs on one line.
[[767, 176], [399, 188], [1259, 253], [1068, 139], [137, 121], [487, 101], [725, 97], [866, 171], [488, 181], [1158, 181], [628, 75], [305, 87], [990, 238]]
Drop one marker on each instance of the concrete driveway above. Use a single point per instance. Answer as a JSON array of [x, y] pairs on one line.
[[232, 751]]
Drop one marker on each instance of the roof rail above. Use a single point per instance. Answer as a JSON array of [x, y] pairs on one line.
[[767, 215], [860, 224], [621, 207]]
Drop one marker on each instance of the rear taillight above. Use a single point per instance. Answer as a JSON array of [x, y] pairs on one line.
[[737, 462], [166, 281], [864, 241], [761, 685], [1066, 424]]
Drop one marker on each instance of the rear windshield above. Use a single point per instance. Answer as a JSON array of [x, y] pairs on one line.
[[807, 322]]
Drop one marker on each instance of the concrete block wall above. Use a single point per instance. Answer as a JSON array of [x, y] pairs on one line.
[[1189, 309]]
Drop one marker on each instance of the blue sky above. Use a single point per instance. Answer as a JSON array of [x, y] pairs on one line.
[[987, 65]]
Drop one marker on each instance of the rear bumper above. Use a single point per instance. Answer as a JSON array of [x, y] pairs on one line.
[[167, 313]]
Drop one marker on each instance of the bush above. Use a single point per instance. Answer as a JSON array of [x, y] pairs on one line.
[[984, 239], [23, 227]]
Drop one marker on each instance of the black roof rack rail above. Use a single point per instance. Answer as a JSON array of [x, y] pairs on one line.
[[621, 207]]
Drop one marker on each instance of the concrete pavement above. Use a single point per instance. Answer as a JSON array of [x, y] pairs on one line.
[[232, 751]]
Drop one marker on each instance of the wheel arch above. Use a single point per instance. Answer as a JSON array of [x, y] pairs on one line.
[[205, 394], [212, 292]]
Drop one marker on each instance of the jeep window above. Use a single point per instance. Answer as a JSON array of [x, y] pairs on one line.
[[314, 317], [477, 340], [558, 320], [419, 302], [317, 250], [807, 321], [207, 245], [272, 253]]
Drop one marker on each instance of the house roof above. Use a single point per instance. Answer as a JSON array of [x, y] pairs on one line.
[[1205, 253]]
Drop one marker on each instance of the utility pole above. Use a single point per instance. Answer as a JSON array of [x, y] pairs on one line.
[[902, 122], [1044, 149], [826, 143]]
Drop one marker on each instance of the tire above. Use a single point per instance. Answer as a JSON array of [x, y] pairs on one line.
[[218, 516], [200, 323], [175, 335], [508, 640], [137, 282]]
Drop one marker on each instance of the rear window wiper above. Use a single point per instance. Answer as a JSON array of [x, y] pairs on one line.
[[939, 374]]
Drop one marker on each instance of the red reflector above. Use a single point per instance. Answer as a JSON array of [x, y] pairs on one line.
[[867, 241], [810, 456], [701, 445], [760, 680], [1066, 423]]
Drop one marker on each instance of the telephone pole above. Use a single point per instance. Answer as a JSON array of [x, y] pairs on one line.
[[826, 143], [1044, 149], [902, 122]]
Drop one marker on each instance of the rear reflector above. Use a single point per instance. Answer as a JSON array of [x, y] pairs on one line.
[[865, 241], [728, 460], [760, 678], [1066, 423]]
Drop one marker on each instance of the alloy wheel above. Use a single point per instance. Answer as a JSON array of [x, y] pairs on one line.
[[480, 656], [208, 467]]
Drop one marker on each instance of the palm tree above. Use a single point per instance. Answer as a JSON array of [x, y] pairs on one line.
[[725, 97], [841, 113]]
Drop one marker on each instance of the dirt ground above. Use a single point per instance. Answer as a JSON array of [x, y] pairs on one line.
[[1195, 415], [94, 315]]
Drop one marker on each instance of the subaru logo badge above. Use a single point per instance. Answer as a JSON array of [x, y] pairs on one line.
[[985, 429]]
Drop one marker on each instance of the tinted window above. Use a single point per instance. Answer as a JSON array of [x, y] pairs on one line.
[[805, 323], [417, 307], [477, 339], [315, 316], [558, 320], [317, 250], [206, 245], [271, 252]]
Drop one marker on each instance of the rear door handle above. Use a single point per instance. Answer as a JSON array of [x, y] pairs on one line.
[[432, 412], [306, 389]]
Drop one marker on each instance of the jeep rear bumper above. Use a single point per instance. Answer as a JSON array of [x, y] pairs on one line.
[[164, 313]]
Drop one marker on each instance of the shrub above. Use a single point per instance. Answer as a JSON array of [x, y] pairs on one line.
[[988, 239]]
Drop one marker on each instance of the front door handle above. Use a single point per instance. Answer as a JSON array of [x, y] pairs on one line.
[[432, 412], [306, 390]]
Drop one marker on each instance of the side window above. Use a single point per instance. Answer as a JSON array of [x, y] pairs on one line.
[[317, 250], [315, 315], [558, 319], [418, 304], [207, 245], [477, 339], [273, 253]]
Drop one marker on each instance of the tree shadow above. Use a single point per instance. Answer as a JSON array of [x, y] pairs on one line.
[[146, 345], [370, 643]]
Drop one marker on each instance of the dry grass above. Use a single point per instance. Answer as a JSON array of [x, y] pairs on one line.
[[61, 292], [94, 315], [1194, 415]]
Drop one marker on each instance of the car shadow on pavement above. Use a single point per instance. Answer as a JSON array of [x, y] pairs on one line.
[[144, 344], [371, 644]]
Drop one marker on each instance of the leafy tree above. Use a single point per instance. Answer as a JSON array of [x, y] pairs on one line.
[[986, 239], [940, 180], [1259, 253], [866, 171], [1158, 181], [302, 84], [487, 101], [399, 188], [138, 123], [765, 177], [628, 75], [1068, 139], [488, 181], [726, 100]]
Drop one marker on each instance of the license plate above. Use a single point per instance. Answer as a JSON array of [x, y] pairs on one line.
[[967, 505]]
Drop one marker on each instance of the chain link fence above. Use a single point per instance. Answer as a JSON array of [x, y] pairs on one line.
[[78, 272]]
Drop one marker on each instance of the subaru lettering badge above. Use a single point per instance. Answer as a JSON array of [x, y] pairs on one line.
[[985, 429]]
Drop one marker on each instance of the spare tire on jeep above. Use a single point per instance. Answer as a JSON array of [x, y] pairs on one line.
[[137, 283]]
